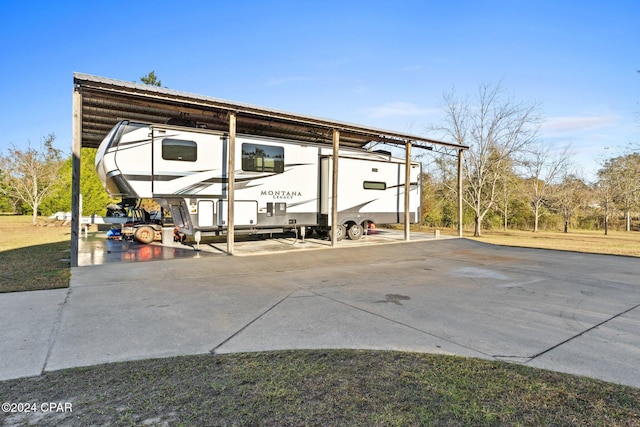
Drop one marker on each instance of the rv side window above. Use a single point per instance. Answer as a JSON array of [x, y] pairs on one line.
[[262, 158], [178, 149], [374, 185]]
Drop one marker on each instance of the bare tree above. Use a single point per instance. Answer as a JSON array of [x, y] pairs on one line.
[[509, 190], [621, 176], [569, 196], [603, 191], [30, 175], [497, 129], [542, 168]]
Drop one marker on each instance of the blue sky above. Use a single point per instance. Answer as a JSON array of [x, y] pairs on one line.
[[379, 63]]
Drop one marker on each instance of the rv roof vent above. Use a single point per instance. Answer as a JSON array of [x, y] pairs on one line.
[[388, 153], [180, 121]]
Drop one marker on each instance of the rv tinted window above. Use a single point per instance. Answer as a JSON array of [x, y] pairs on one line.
[[374, 185], [178, 149], [131, 126], [262, 158]]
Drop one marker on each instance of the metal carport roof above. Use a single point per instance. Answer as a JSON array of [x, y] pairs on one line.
[[99, 103], [105, 101]]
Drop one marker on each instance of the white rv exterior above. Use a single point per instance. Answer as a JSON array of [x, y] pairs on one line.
[[279, 184]]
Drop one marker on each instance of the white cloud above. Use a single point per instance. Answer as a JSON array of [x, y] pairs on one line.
[[558, 125], [398, 109]]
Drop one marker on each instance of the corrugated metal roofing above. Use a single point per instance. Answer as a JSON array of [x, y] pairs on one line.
[[106, 101]]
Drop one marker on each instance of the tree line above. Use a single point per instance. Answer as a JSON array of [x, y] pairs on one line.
[[526, 203], [37, 181], [511, 178]]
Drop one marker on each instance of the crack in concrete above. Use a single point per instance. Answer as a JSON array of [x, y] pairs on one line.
[[535, 356], [402, 324], [55, 329], [239, 331]]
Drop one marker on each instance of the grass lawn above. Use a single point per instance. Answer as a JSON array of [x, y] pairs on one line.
[[615, 243], [322, 388], [33, 257]]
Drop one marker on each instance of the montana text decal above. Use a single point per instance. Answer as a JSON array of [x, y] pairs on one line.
[[281, 195]]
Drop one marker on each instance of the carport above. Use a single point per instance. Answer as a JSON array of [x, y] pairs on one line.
[[99, 103]]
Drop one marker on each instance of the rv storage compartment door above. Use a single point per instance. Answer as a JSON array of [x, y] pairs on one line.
[[325, 185], [246, 212], [180, 213], [205, 213]]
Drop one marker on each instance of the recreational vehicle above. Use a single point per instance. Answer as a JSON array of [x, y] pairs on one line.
[[279, 184]]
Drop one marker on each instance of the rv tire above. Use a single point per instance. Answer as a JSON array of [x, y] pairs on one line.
[[355, 231], [145, 234], [341, 231]]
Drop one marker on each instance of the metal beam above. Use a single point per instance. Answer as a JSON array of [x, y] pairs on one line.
[[334, 187], [407, 191], [460, 152], [76, 150], [231, 176]]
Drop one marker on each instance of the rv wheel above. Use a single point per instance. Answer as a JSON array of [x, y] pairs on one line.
[[144, 234], [341, 231], [355, 231]]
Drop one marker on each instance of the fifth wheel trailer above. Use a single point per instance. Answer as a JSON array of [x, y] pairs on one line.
[[279, 184]]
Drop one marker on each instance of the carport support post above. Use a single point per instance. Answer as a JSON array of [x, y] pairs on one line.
[[407, 191], [334, 188], [231, 175], [460, 152], [76, 148]]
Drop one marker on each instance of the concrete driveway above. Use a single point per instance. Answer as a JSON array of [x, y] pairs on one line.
[[563, 311]]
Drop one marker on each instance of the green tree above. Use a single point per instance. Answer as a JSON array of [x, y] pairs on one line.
[[438, 203], [151, 79], [30, 175], [59, 199], [6, 204], [94, 198]]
